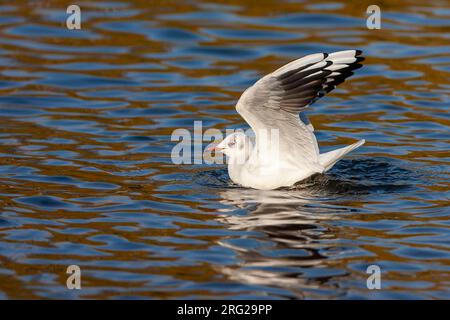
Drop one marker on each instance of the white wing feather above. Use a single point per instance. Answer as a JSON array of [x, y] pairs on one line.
[[274, 102]]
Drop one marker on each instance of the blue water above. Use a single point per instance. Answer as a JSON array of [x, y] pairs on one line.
[[86, 175]]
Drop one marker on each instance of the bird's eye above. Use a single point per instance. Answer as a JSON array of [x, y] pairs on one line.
[[231, 144]]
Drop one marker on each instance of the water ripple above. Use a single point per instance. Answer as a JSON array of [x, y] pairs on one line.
[[86, 175]]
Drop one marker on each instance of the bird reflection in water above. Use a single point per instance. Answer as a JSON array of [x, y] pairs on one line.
[[295, 239], [293, 230]]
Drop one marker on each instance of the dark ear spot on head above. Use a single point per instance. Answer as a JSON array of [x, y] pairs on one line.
[[232, 141]]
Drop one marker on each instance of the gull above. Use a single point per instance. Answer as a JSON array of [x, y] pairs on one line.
[[285, 149]]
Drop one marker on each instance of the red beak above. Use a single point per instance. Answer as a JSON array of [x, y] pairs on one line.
[[215, 148]]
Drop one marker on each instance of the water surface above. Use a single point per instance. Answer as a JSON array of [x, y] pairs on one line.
[[86, 176]]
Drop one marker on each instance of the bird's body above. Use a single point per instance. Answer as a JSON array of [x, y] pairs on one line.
[[272, 174], [285, 149]]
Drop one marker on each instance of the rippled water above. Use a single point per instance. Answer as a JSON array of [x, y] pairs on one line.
[[86, 176]]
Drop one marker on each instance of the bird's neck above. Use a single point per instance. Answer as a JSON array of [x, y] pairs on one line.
[[238, 160], [243, 155]]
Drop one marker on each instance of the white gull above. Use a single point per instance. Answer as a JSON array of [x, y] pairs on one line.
[[286, 150]]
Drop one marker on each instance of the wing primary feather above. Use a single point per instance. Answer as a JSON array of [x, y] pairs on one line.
[[289, 73], [299, 75], [302, 81]]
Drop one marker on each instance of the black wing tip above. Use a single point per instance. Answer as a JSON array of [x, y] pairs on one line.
[[354, 66], [302, 88]]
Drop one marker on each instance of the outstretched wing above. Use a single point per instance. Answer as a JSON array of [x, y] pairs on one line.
[[274, 102]]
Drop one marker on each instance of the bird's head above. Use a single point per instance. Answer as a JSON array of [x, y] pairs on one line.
[[237, 146]]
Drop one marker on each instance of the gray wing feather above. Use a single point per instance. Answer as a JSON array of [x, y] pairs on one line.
[[274, 101]]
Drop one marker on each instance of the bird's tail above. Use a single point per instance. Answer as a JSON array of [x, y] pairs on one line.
[[328, 159]]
